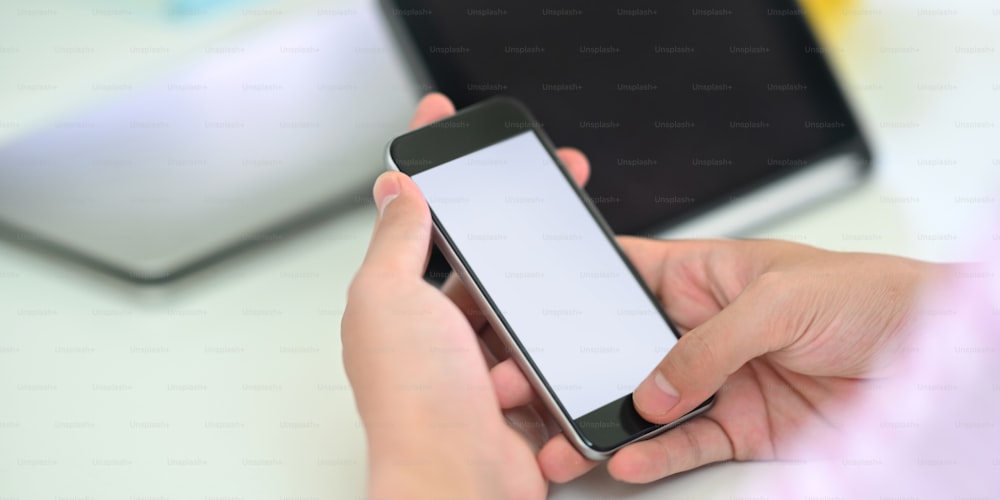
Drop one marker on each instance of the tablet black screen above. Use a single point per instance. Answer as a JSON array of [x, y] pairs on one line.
[[680, 105]]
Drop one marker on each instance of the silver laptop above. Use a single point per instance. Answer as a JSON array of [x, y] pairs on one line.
[[246, 139]]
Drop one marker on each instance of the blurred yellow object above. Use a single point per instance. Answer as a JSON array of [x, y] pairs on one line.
[[828, 18]]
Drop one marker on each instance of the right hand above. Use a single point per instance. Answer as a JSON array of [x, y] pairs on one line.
[[786, 334]]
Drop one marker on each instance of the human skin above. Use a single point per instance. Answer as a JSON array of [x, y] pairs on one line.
[[786, 334]]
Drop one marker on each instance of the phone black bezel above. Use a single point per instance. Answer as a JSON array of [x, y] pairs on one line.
[[480, 126]]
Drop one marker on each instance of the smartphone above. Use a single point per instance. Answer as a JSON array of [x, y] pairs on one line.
[[544, 267]]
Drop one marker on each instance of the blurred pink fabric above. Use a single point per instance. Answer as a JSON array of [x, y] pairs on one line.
[[933, 431]]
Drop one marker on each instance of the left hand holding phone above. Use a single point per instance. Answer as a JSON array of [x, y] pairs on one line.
[[433, 407]]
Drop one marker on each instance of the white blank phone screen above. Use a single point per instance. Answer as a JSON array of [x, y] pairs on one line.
[[553, 276]]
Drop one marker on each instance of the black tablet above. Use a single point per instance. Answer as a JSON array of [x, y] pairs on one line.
[[698, 118]]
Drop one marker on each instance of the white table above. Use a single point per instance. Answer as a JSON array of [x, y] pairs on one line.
[[229, 384]]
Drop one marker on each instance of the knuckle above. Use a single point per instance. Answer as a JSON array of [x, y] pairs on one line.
[[771, 296], [770, 283], [784, 305], [696, 349], [358, 287], [696, 456], [368, 284], [665, 459], [692, 352], [375, 278]]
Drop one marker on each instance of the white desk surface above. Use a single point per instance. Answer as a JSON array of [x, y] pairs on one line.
[[229, 384]]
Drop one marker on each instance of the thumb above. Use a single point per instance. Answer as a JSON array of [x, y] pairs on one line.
[[705, 357], [400, 243]]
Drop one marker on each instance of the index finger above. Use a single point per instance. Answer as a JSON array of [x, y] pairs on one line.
[[432, 107]]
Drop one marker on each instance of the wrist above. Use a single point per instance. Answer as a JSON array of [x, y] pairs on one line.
[[433, 471], [421, 461]]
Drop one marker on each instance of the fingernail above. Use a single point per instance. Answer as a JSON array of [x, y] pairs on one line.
[[655, 395], [386, 189]]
